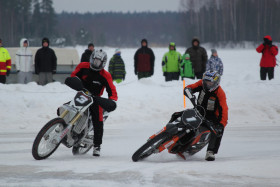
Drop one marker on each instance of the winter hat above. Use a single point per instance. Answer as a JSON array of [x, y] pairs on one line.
[[90, 45], [267, 38], [117, 51], [172, 44], [213, 51], [45, 40]]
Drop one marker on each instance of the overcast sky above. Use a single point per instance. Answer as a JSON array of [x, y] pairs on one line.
[[94, 6]]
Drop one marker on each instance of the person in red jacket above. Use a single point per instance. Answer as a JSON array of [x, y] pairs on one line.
[[212, 99], [268, 60], [95, 79]]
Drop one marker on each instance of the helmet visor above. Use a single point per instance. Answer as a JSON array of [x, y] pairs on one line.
[[97, 63], [208, 85]]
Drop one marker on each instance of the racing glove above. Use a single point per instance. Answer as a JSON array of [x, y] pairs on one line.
[[188, 92], [219, 128]]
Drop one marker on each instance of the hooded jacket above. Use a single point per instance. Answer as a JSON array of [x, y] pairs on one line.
[[268, 53], [215, 64], [24, 58], [171, 60], [144, 59], [45, 59], [186, 67], [86, 55], [198, 57]]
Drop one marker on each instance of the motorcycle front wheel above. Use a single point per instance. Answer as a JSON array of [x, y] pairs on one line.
[[45, 142], [149, 148]]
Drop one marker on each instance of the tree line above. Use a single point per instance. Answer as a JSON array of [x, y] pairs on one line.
[[231, 20], [26, 18], [211, 20]]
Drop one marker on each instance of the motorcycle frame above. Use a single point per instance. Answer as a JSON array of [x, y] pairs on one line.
[[80, 110]]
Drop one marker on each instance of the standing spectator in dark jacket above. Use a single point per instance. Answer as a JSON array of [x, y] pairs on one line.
[[117, 67], [198, 56], [144, 60], [87, 53], [268, 61], [45, 63]]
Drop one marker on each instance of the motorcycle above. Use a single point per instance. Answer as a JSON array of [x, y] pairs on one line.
[[73, 128], [187, 132]]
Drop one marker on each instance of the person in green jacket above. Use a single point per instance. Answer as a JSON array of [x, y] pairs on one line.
[[186, 67], [117, 67], [171, 63]]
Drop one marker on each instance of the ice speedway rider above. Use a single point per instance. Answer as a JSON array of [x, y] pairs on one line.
[[95, 79], [212, 99]]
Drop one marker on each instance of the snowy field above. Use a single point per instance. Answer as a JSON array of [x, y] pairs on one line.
[[249, 154]]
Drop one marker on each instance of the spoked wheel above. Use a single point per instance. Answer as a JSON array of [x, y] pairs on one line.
[[46, 141], [82, 148], [149, 148]]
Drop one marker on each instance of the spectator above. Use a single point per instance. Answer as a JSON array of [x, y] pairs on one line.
[[186, 67], [24, 62], [144, 60], [198, 56], [117, 67], [215, 63], [171, 63], [5, 63], [45, 63], [87, 53], [268, 60]]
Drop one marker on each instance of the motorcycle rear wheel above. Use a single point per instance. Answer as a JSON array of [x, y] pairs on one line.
[[45, 144], [149, 148]]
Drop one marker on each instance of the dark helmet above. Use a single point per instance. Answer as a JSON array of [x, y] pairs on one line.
[[98, 60], [211, 81]]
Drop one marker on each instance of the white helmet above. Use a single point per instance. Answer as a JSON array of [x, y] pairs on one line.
[[98, 60]]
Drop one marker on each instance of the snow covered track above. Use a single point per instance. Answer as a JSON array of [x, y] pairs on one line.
[[249, 153]]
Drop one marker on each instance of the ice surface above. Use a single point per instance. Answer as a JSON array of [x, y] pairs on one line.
[[249, 154]]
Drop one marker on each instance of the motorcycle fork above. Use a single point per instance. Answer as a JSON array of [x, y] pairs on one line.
[[66, 131], [64, 113], [161, 131]]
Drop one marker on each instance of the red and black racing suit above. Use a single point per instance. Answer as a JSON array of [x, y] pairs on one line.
[[95, 82], [215, 106]]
